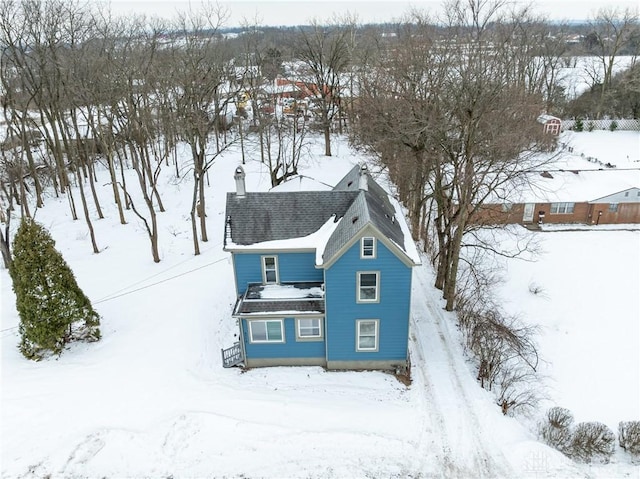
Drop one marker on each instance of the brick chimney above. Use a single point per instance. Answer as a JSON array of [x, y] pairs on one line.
[[241, 189]]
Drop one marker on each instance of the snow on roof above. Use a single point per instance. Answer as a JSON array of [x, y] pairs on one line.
[[269, 216], [291, 298], [323, 239], [544, 118], [289, 291], [580, 187], [314, 240], [581, 173], [409, 245], [257, 221]]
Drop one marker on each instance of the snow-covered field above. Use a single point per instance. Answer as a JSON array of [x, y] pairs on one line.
[[581, 72], [151, 399], [588, 309], [619, 148]]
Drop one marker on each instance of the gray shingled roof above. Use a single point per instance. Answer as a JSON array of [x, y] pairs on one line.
[[366, 208], [259, 217], [351, 182]]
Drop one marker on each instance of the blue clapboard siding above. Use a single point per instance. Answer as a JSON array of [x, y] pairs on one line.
[[392, 311], [289, 349], [292, 267]]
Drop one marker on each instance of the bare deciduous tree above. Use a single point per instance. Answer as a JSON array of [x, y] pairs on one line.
[[612, 30], [200, 62], [325, 52], [458, 125]]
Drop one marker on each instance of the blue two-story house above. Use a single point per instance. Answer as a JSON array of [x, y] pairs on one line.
[[322, 277]]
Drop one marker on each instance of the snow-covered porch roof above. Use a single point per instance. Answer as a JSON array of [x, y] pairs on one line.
[[301, 298]]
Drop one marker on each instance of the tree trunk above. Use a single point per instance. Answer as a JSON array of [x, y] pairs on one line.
[[327, 139], [123, 182], [154, 236], [72, 203], [24, 205], [86, 212], [5, 245], [202, 210], [94, 194], [114, 185], [33, 172], [452, 274], [194, 205]]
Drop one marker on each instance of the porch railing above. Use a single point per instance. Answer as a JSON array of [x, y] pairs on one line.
[[232, 356]]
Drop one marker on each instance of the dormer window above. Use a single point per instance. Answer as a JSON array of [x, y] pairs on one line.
[[368, 247], [270, 269]]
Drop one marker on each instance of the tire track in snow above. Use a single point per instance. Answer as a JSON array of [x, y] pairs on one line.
[[486, 461], [449, 468]]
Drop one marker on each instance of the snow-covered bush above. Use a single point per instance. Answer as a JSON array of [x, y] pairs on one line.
[[556, 429], [629, 436], [592, 440]]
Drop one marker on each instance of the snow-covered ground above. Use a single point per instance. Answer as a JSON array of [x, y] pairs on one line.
[[580, 73], [151, 399], [588, 309], [579, 171], [619, 148]]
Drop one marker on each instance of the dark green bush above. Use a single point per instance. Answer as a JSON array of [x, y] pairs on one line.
[[53, 309]]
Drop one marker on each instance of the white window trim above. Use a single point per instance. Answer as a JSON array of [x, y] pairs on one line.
[[358, 289], [377, 335], [561, 208], [299, 337], [264, 269], [267, 341], [613, 207], [374, 247]]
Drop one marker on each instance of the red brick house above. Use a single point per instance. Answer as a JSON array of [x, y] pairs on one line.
[[571, 203]]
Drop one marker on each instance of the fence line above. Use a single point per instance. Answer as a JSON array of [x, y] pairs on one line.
[[590, 125]]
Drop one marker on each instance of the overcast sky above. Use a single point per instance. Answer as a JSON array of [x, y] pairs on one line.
[[291, 12]]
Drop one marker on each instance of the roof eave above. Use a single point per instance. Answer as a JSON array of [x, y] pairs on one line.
[[369, 226]]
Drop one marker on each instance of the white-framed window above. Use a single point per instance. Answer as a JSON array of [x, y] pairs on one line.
[[266, 331], [562, 208], [309, 328], [613, 207], [367, 335], [368, 247], [270, 270], [368, 286]]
